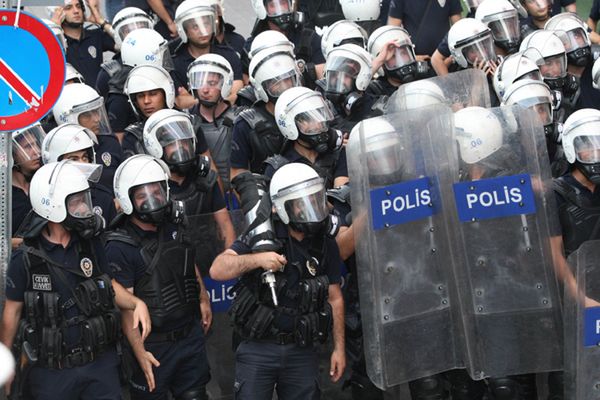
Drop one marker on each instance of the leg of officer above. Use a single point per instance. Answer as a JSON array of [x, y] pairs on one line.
[[192, 371], [256, 369], [101, 378], [299, 374], [64, 384]]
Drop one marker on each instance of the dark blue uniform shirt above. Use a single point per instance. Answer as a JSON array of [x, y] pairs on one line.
[[110, 155], [211, 203], [20, 207], [241, 150], [589, 97], [86, 53], [103, 202]]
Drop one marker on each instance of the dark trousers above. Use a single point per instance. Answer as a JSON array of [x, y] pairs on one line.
[[183, 367], [98, 380], [263, 367]]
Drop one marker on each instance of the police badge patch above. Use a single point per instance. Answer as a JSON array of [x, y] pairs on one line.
[[92, 51], [106, 159], [86, 266], [97, 210], [311, 266], [41, 282]]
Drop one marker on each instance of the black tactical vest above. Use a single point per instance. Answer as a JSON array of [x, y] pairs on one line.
[[579, 218], [169, 286], [265, 138]]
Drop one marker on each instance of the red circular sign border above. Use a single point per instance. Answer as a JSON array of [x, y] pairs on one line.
[[56, 59]]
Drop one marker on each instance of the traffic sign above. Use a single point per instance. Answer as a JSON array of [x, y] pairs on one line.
[[32, 70]]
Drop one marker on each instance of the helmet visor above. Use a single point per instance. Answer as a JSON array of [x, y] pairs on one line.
[[543, 109], [313, 122], [173, 129], [554, 66], [131, 24], [200, 79], [535, 75], [587, 149], [505, 26], [482, 50], [27, 144], [199, 24], [92, 115], [276, 8], [276, 86], [79, 205], [91, 172], [576, 39], [403, 55], [383, 157], [149, 197], [309, 208]]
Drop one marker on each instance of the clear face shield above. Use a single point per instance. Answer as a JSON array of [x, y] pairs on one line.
[[27, 145], [383, 156], [587, 149], [404, 55], [79, 205], [310, 207], [206, 79], [92, 173], [276, 86], [276, 8], [481, 50], [315, 120], [131, 24], [575, 39], [177, 138], [554, 67], [199, 24], [149, 197], [341, 75], [505, 27], [163, 56], [92, 115]]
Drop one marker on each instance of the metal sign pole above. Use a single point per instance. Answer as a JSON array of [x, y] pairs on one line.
[[5, 210]]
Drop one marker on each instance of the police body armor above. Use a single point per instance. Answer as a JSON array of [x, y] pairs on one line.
[[195, 195], [116, 84], [265, 138], [218, 137], [43, 326], [169, 286], [324, 165], [254, 315], [136, 130], [579, 218]]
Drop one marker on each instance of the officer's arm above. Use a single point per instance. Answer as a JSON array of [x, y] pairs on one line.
[[345, 242], [127, 301], [455, 18], [394, 21], [10, 321], [572, 8], [237, 85], [320, 71], [336, 300], [159, 9], [233, 172], [592, 24], [438, 62], [230, 265], [225, 225]]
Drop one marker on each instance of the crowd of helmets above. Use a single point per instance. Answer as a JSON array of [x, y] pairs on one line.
[[551, 70]]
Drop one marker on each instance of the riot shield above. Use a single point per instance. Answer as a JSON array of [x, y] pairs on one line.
[[402, 252], [457, 90], [499, 199], [210, 238], [582, 324]]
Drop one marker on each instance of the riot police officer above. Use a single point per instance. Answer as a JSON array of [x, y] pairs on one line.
[[61, 310], [76, 143], [343, 32], [279, 328], [150, 255], [80, 104]]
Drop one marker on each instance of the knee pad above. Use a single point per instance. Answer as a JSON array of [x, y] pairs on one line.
[[504, 388], [428, 388], [198, 393]]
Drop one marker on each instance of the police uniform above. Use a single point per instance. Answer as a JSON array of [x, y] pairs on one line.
[[182, 60], [69, 319], [380, 87], [588, 96], [255, 138], [140, 260], [103, 202], [85, 54], [277, 344], [110, 84], [20, 208], [108, 154], [232, 38]]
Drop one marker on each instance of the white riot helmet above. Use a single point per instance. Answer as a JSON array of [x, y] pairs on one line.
[[304, 114], [7, 364], [68, 138], [470, 40], [535, 95], [195, 16], [423, 93], [546, 45], [298, 195], [129, 19], [403, 65], [145, 78], [596, 74], [169, 135], [57, 30], [366, 10], [141, 186], [577, 43], [279, 12], [271, 73], [27, 148], [72, 75], [146, 47], [82, 105], [342, 32], [513, 68], [60, 193], [478, 133], [212, 71], [503, 20], [348, 68], [581, 142], [273, 40]]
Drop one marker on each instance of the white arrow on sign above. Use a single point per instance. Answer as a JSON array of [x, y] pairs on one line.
[[16, 83]]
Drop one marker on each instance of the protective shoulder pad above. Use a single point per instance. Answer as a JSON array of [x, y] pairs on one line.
[[136, 129], [111, 67], [379, 107], [277, 161], [252, 117], [121, 235], [340, 193], [561, 187]]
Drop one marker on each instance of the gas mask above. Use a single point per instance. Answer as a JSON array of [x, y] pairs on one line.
[[81, 217], [328, 141], [152, 204]]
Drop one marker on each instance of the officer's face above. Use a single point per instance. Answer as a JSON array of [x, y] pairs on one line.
[[91, 120], [73, 12], [543, 111], [576, 40], [28, 154], [199, 30], [81, 156], [538, 9], [211, 89], [552, 67], [78, 206], [179, 150], [277, 7], [276, 88], [150, 101], [151, 193]]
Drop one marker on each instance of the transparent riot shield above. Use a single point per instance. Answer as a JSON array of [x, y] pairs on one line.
[[499, 199], [211, 235], [457, 90], [582, 324], [401, 248]]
